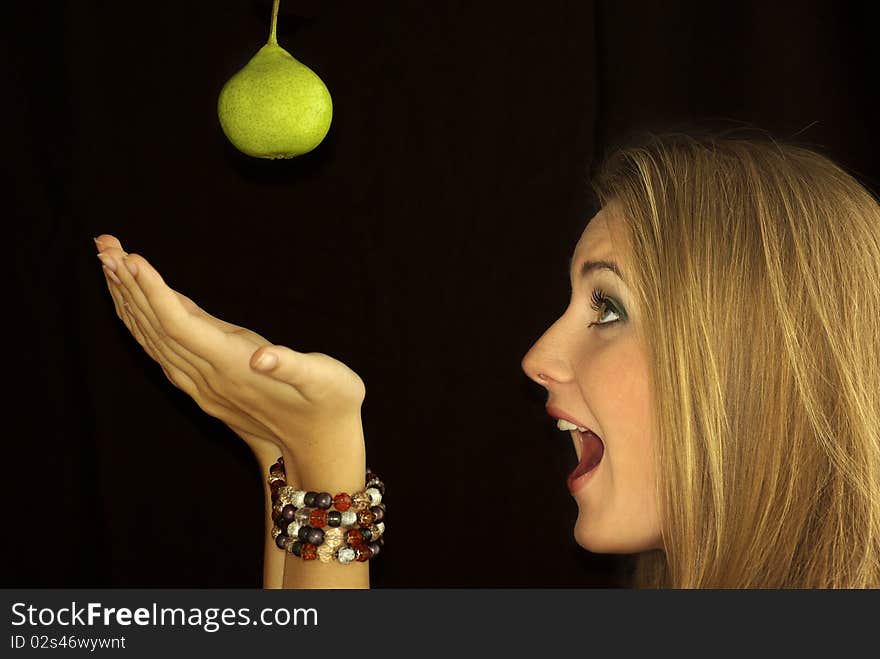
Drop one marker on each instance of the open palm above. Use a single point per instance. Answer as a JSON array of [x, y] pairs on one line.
[[216, 362]]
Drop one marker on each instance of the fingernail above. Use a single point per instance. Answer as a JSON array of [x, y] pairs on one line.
[[266, 361], [110, 274], [132, 267], [108, 261]]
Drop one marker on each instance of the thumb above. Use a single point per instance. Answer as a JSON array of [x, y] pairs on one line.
[[267, 359]]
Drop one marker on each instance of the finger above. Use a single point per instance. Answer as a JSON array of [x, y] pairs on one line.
[[112, 282], [178, 378], [128, 287], [284, 364], [201, 338], [166, 350], [192, 383], [115, 287], [131, 324], [180, 372], [176, 359], [146, 315], [111, 259], [171, 353], [196, 310], [138, 332], [105, 240]]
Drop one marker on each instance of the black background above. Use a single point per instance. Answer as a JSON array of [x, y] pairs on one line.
[[424, 243]]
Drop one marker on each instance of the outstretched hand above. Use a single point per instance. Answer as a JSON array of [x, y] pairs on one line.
[[270, 395]]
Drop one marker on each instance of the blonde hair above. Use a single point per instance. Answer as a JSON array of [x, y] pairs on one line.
[[756, 266]]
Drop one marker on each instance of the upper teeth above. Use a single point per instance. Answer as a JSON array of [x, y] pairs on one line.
[[562, 424]]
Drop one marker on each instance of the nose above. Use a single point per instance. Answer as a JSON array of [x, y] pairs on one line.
[[543, 362]]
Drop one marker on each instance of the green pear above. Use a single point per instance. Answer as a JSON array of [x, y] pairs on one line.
[[275, 107]]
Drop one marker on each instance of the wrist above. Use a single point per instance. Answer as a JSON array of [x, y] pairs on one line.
[[332, 459], [340, 473], [336, 531]]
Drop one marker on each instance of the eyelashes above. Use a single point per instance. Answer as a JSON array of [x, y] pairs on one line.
[[602, 304], [599, 299]]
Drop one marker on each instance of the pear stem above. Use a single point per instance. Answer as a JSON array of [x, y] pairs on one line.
[[272, 38]]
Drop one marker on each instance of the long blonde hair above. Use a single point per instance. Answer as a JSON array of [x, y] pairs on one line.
[[757, 268]]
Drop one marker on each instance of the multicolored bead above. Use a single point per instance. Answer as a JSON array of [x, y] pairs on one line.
[[375, 496], [360, 501], [325, 553], [363, 553], [315, 536], [285, 494], [342, 502], [305, 525], [323, 500], [334, 537], [345, 555], [377, 483], [318, 518]]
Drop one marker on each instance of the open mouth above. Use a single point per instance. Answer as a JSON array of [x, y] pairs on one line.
[[590, 449]]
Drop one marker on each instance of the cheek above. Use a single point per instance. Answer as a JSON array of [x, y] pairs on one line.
[[622, 506], [614, 384], [628, 410], [632, 428]]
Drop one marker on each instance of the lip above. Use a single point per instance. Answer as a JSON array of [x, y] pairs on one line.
[[576, 484], [557, 413]]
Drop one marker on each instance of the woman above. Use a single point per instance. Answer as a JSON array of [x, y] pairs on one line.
[[718, 365]]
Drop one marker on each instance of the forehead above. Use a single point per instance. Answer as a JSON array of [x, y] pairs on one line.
[[600, 237]]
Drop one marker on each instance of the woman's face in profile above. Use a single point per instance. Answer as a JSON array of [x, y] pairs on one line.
[[595, 370]]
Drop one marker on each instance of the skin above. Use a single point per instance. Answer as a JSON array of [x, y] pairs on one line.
[[305, 407], [599, 376]]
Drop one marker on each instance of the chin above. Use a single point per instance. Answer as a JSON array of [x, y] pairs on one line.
[[613, 541]]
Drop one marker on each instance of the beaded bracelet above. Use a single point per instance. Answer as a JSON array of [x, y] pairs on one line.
[[305, 526]]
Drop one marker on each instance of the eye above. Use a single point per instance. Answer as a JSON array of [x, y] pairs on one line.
[[603, 304]]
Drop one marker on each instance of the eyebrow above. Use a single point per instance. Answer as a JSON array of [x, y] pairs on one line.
[[591, 266]]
